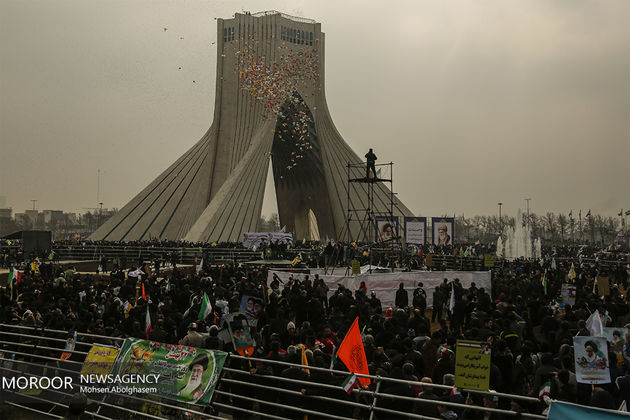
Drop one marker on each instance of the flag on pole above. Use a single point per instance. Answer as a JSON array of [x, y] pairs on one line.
[[200, 267], [11, 276], [352, 353], [334, 357], [572, 274], [296, 260], [144, 295], [588, 214], [148, 323], [545, 390], [168, 286], [206, 307], [350, 383], [136, 273], [620, 213], [451, 304], [594, 324], [305, 360], [544, 282], [571, 214]]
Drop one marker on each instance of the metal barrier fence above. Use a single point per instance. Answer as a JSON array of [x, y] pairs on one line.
[[242, 391], [180, 254]]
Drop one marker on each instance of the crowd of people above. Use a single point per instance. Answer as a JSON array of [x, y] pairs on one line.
[[529, 331]]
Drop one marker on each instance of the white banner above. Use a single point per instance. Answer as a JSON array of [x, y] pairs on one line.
[[386, 284], [255, 239], [415, 230]]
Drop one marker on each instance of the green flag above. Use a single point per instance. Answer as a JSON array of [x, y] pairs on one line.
[[11, 276], [206, 307]]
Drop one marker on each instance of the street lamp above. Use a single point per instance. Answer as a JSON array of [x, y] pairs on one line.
[[500, 222]]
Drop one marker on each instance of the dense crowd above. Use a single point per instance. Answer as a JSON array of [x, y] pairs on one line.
[[530, 333]]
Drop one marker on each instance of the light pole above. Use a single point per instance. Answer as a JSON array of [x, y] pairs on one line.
[[500, 222], [528, 200]]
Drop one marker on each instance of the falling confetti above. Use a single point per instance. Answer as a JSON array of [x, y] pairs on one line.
[[274, 84]]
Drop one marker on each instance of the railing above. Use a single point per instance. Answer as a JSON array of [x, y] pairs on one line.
[[180, 254], [28, 351]]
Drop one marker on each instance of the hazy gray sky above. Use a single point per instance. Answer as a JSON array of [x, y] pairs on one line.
[[475, 102]]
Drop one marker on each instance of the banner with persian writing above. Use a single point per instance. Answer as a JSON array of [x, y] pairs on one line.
[[186, 374], [472, 365], [99, 360]]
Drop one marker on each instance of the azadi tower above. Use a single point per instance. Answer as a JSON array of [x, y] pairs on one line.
[[270, 106]]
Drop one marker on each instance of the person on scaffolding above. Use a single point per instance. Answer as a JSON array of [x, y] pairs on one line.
[[371, 158]]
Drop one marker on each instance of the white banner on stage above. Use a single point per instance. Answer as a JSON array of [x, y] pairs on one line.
[[386, 284]]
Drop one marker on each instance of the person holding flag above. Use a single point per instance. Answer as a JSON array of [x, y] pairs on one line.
[[572, 275], [200, 267], [352, 353], [206, 308]]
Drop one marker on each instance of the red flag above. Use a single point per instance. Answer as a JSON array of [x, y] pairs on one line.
[[421, 252], [352, 353], [144, 296]]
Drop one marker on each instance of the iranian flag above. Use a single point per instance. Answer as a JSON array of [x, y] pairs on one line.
[[350, 383], [14, 276], [148, 323], [206, 307], [545, 390]]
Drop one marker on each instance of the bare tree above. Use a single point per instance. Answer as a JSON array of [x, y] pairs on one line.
[[562, 225]]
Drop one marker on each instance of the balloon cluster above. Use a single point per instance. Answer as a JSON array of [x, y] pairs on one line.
[[274, 83]]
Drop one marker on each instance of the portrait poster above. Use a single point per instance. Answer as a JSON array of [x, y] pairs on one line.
[[240, 333], [251, 307], [443, 230], [186, 374], [386, 229], [591, 360], [416, 230], [568, 292], [472, 365], [99, 360], [616, 337]]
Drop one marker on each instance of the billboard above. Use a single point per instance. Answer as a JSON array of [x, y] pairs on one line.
[[386, 229], [443, 230], [416, 230]]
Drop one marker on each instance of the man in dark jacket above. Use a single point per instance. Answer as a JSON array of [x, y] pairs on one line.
[[402, 299], [438, 305]]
